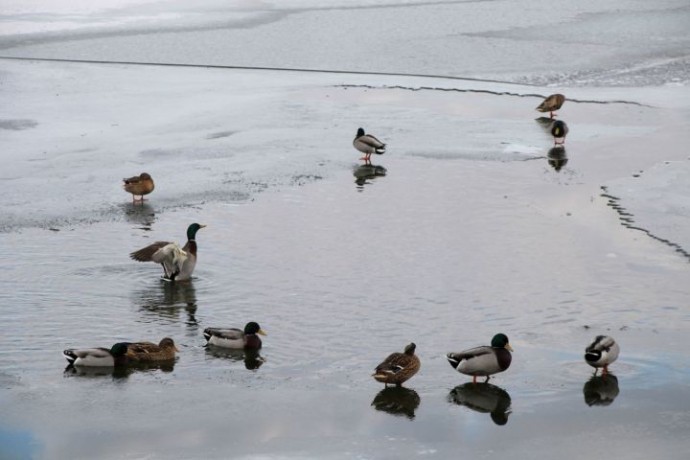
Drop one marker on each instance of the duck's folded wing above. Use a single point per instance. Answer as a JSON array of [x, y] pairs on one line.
[[228, 333], [147, 254], [394, 363], [142, 347], [84, 352], [471, 353], [371, 141], [601, 343]]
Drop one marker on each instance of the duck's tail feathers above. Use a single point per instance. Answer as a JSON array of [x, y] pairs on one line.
[[592, 356], [453, 359], [69, 355]]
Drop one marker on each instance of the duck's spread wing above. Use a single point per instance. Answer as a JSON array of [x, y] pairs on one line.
[[147, 254], [170, 253]]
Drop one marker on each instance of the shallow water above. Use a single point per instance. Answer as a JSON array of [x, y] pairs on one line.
[[462, 229], [341, 275]]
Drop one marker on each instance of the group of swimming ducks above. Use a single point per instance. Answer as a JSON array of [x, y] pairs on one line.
[[179, 262], [132, 353]]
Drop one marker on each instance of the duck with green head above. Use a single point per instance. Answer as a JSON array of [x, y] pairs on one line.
[[484, 360], [231, 337], [178, 263], [368, 144]]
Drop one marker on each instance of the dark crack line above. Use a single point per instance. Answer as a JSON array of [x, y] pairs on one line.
[[627, 220], [274, 69], [495, 93]]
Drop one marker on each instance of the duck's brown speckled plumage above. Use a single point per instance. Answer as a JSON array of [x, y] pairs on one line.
[[139, 185], [147, 352], [551, 103], [398, 367]]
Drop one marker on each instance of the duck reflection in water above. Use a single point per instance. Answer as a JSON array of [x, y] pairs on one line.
[[397, 401], [484, 398], [141, 214], [169, 299], [118, 372], [557, 157], [366, 172], [601, 390], [252, 359]]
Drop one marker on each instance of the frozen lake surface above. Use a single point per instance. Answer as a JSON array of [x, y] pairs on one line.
[[470, 232]]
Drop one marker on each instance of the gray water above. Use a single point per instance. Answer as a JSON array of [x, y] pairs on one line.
[[340, 276], [470, 231]]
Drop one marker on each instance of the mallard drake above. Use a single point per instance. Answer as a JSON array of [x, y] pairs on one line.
[[484, 360], [147, 352], [139, 185], [97, 357], [602, 352], [235, 338], [368, 144], [398, 367], [551, 104], [559, 129], [178, 263]]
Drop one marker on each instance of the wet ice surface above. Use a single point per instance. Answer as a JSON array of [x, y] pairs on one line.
[[462, 229], [578, 43]]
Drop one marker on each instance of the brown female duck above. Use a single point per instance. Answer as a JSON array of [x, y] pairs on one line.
[[147, 352], [398, 367], [551, 104], [139, 186]]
